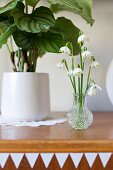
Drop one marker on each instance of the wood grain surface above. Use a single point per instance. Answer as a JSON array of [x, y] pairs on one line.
[[60, 138]]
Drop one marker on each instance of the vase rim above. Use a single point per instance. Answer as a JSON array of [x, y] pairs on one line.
[[26, 73]]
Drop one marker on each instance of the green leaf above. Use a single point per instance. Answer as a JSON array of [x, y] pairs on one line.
[[69, 31], [8, 32], [46, 42], [80, 7], [3, 17], [23, 39], [86, 6], [32, 2], [4, 25], [41, 20], [71, 5], [7, 6], [26, 41], [50, 42]]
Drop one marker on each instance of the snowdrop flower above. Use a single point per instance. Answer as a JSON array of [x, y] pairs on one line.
[[75, 72], [82, 38], [70, 73], [86, 55], [65, 50], [60, 65], [78, 71], [93, 89], [95, 64]]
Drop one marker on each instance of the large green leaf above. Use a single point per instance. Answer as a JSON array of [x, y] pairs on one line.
[[32, 2], [44, 42], [81, 7], [27, 41], [57, 5], [50, 42], [4, 25], [86, 10], [23, 39], [41, 20], [69, 31], [3, 16], [7, 5], [8, 32]]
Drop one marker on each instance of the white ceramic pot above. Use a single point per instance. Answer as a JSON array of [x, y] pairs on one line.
[[109, 82], [25, 96]]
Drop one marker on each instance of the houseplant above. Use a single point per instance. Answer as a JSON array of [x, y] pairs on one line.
[[80, 75], [34, 33]]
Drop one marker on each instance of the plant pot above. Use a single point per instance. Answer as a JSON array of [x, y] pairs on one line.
[[109, 82], [25, 96]]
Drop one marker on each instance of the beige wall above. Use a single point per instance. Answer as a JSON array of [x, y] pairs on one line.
[[101, 44]]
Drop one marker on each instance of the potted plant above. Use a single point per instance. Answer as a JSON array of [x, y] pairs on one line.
[[25, 94]]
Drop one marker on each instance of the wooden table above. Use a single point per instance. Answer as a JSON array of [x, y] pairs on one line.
[[58, 147]]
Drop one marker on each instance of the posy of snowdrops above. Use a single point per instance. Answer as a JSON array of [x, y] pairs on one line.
[[76, 71]]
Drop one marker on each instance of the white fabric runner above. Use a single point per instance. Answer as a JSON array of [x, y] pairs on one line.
[[53, 119]]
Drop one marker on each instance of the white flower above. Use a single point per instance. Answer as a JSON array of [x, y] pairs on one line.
[[95, 64], [78, 71], [86, 55], [75, 72], [60, 65], [93, 89], [82, 38], [70, 73], [65, 50]]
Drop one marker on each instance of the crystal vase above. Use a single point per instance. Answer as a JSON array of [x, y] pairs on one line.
[[80, 117]]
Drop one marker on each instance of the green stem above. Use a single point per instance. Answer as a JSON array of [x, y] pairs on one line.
[[72, 63], [26, 8], [33, 8], [21, 60], [74, 82], [35, 56], [88, 78], [79, 91], [11, 41], [65, 62], [30, 60], [81, 77]]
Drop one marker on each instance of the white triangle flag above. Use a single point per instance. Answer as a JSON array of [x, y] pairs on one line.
[[3, 159], [32, 157], [46, 157], [90, 158], [105, 158], [76, 157], [17, 157], [61, 157]]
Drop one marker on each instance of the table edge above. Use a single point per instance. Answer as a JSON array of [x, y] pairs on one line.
[[55, 146]]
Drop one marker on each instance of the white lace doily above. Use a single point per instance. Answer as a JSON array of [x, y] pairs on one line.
[[51, 120]]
